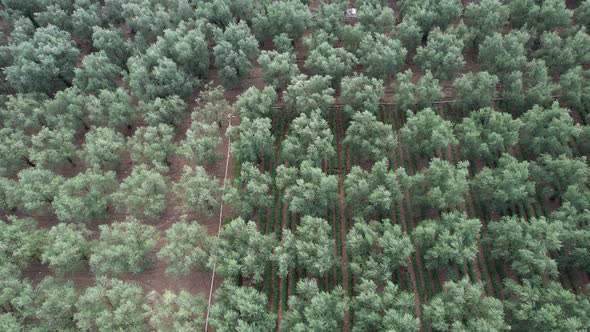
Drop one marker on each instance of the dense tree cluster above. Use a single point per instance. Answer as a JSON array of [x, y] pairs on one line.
[[418, 165]]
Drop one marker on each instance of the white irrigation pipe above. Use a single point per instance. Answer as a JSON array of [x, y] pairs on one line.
[[220, 221]]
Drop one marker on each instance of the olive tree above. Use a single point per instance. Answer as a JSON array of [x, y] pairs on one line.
[[289, 17], [278, 69], [485, 17], [168, 312], [242, 251], [42, 63], [312, 310], [35, 189], [498, 188], [377, 249], [368, 137], [310, 138], [169, 110], [443, 55], [307, 189], [427, 133], [110, 305], [462, 307], [22, 242], [359, 93], [197, 190], [234, 52], [97, 73], [441, 185], [416, 96], [450, 241], [67, 248], [383, 56], [187, 248], [85, 197], [487, 133], [330, 61], [524, 244], [152, 146], [255, 103], [123, 246], [250, 192], [475, 91], [241, 306], [305, 94], [142, 194], [102, 148], [252, 140], [554, 175], [51, 148]]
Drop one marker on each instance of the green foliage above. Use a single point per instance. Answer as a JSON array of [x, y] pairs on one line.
[[525, 244], [416, 96], [381, 55], [305, 94], [450, 241], [112, 42], [442, 55], [21, 241], [187, 248], [314, 310], [123, 247], [476, 91], [241, 252], [575, 89], [234, 52], [539, 15], [250, 193], [197, 190], [255, 103], [377, 249], [102, 148], [368, 137], [311, 247], [97, 72], [85, 197], [409, 33], [550, 307], [42, 63], [375, 18], [310, 138], [112, 109], [67, 248], [307, 189], [175, 312], [389, 310], [152, 75], [201, 142], [427, 132], [152, 146], [252, 140], [548, 131], [486, 133], [432, 13], [360, 93], [503, 54], [290, 17], [582, 14], [554, 175], [461, 307], [242, 308], [278, 69], [371, 193], [54, 305], [35, 189], [328, 16], [17, 296], [50, 148], [485, 17], [211, 106], [556, 55], [498, 188], [330, 61], [149, 18], [187, 46], [169, 110], [110, 305], [537, 84], [14, 146], [142, 194], [441, 185], [575, 236], [23, 112]]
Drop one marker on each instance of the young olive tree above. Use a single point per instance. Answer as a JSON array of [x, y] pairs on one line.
[[368, 137], [427, 133], [450, 241], [307, 189]]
